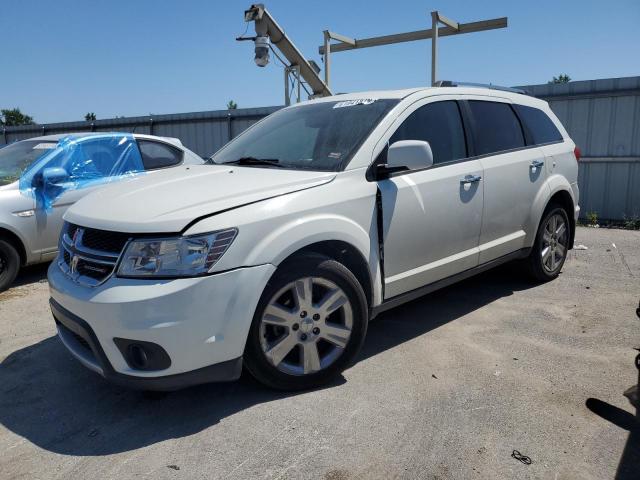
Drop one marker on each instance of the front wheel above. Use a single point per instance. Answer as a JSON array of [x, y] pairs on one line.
[[309, 324], [551, 246], [9, 264]]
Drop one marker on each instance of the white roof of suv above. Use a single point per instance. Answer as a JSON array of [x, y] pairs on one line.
[[429, 91]]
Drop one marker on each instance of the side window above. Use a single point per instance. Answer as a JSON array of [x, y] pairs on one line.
[[158, 155], [539, 126], [496, 127], [439, 124]]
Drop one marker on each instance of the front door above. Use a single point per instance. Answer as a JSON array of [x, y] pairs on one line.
[[431, 217]]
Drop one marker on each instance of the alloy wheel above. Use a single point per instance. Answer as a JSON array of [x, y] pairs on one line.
[[306, 326], [554, 243]]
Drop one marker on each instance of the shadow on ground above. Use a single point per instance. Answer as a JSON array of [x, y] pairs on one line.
[[31, 274], [58, 405], [629, 466]]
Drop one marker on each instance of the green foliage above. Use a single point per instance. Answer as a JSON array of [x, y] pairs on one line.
[[632, 223], [231, 105], [562, 78], [12, 117], [90, 117], [592, 218]]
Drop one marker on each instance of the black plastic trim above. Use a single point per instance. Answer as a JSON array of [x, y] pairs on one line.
[[157, 357], [219, 372], [380, 233], [445, 282]]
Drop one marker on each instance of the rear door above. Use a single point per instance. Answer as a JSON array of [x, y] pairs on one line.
[[514, 173], [431, 217]]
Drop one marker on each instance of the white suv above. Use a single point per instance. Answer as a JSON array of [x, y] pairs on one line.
[[277, 254]]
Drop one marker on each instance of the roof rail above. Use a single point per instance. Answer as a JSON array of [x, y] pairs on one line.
[[450, 83]]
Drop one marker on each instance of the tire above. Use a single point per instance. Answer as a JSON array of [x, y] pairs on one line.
[[287, 328], [549, 250], [9, 264]]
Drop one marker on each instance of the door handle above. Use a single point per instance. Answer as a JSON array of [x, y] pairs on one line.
[[470, 179], [536, 164]]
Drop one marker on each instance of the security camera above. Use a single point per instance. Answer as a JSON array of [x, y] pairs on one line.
[[262, 51]]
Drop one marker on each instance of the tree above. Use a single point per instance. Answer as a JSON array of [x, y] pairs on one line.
[[90, 117], [13, 117], [562, 78], [231, 105]]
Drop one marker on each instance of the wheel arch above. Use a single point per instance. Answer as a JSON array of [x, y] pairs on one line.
[[556, 190], [13, 239], [564, 199], [345, 253], [330, 234]]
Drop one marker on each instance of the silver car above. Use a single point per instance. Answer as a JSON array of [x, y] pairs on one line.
[[41, 177]]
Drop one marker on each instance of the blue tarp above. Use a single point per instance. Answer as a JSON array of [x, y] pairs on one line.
[[80, 162]]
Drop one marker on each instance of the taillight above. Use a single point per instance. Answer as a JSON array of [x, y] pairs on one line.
[[577, 153]]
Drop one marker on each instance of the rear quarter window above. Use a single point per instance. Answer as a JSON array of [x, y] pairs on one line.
[[157, 155], [539, 127]]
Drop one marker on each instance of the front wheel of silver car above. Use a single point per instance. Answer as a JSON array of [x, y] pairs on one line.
[[310, 323], [9, 264]]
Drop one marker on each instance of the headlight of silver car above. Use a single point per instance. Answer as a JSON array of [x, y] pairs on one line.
[[175, 257]]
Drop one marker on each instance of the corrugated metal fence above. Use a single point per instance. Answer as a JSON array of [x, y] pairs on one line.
[[602, 116], [202, 132]]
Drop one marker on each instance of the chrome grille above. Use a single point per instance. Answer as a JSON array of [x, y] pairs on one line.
[[89, 256]]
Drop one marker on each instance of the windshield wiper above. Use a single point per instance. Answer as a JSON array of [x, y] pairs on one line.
[[255, 161]]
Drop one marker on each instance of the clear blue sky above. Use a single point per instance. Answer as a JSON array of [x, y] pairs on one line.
[[61, 59]]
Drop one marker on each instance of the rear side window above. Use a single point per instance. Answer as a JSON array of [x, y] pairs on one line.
[[538, 125], [439, 124], [158, 155], [496, 127]]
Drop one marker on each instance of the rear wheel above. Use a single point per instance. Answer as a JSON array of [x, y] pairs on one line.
[[551, 245], [9, 264], [310, 323]]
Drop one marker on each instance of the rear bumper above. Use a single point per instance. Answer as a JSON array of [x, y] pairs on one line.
[[82, 343]]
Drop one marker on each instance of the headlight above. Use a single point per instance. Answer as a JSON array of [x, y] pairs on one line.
[[175, 257]]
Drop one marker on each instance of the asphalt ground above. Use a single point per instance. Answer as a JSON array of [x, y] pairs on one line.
[[447, 386]]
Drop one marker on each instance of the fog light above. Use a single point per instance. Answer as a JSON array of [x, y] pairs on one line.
[[138, 356], [141, 355]]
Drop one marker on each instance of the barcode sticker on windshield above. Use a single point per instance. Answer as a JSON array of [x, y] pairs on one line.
[[45, 146], [353, 103]]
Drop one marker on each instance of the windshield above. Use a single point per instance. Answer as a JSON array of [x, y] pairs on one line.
[[319, 136], [15, 158]]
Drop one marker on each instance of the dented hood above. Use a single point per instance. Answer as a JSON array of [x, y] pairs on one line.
[[168, 200]]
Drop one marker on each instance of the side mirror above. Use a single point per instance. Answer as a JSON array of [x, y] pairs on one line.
[[405, 155], [54, 176], [412, 154]]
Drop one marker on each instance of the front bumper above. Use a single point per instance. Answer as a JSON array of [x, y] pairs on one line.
[[201, 323]]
